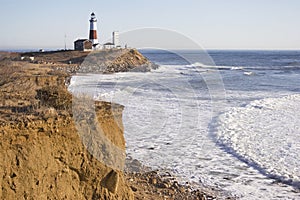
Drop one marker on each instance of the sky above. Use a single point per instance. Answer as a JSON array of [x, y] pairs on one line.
[[213, 24]]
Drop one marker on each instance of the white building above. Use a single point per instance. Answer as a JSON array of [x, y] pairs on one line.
[[115, 39]]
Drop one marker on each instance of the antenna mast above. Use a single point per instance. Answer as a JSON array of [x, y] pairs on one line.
[[65, 42]]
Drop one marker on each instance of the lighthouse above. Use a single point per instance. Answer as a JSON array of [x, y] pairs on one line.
[[93, 30]]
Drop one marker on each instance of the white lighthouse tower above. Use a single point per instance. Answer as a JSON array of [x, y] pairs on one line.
[[93, 30]]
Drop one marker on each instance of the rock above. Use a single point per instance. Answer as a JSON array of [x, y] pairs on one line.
[[111, 181], [134, 189], [153, 181], [175, 185], [120, 60], [163, 185]]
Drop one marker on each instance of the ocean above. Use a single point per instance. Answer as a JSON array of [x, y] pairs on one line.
[[226, 119]]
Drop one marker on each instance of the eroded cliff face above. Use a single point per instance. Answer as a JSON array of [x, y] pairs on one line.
[[103, 61], [42, 154]]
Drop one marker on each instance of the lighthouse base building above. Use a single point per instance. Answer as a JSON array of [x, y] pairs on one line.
[[83, 45]]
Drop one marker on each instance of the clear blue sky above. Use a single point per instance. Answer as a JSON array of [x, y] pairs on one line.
[[218, 24]]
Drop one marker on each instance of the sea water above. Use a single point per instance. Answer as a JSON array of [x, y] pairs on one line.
[[242, 136]]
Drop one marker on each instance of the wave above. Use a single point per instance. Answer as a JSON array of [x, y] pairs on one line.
[[265, 135], [249, 73], [201, 65], [245, 68]]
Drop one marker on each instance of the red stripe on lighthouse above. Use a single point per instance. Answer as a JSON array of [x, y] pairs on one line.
[[93, 34]]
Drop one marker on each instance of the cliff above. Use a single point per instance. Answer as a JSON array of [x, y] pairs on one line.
[[104, 61], [43, 155]]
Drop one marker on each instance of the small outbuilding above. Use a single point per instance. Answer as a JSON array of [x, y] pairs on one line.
[[83, 45], [108, 45]]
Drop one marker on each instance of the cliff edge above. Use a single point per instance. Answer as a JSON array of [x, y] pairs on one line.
[[102, 61], [43, 156]]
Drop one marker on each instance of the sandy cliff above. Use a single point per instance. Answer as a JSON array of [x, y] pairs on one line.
[[43, 156]]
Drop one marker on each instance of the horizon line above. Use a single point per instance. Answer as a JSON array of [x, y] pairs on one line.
[[12, 49]]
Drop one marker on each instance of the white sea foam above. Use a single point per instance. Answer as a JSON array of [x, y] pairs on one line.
[[266, 133], [237, 68], [249, 73], [166, 118], [204, 66]]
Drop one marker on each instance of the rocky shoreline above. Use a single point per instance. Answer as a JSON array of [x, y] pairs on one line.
[[161, 184], [44, 157]]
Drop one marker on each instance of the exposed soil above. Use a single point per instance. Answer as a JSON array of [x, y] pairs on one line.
[[42, 155]]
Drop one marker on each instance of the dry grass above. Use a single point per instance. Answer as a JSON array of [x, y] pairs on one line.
[[8, 69]]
